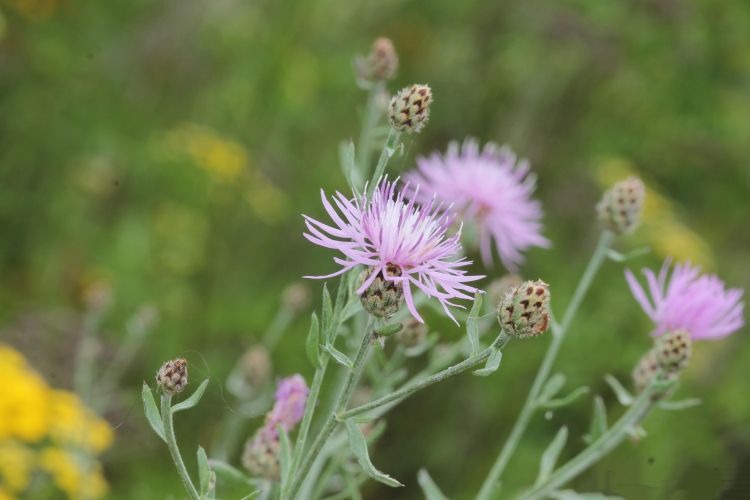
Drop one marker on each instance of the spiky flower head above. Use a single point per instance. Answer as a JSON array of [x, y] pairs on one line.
[[383, 298], [412, 334], [380, 64], [524, 312], [620, 208], [673, 350], [490, 188], [410, 108], [172, 377], [405, 243], [687, 300]]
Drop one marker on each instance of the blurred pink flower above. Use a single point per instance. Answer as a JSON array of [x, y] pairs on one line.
[[291, 396], [492, 188], [688, 300], [389, 231]]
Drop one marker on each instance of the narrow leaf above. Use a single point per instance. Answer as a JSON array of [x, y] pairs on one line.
[[230, 472], [492, 363], [152, 412], [286, 455], [352, 307], [472, 323], [429, 488], [422, 347], [193, 400], [204, 472], [550, 455], [572, 495], [348, 164], [339, 356], [254, 494], [551, 388], [598, 421], [623, 395], [358, 445], [679, 405], [327, 314], [388, 330], [564, 401], [312, 344]]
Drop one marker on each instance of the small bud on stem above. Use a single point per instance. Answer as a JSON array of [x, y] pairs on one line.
[[524, 312], [620, 208], [172, 377], [410, 108], [380, 64]]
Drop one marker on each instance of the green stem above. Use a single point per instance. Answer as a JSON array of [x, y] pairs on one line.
[[385, 154], [330, 424], [278, 325], [601, 447], [166, 417], [410, 389], [370, 120], [558, 334]]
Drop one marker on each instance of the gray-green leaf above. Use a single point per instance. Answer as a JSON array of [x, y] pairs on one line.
[[286, 455], [152, 411], [312, 344], [550, 455], [623, 395], [472, 323], [193, 400], [204, 471], [598, 421], [327, 311], [358, 445], [551, 388], [339, 356], [679, 405], [230, 472], [429, 488], [572, 495], [564, 401], [492, 363]]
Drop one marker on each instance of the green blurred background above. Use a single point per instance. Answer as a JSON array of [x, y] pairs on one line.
[[168, 148]]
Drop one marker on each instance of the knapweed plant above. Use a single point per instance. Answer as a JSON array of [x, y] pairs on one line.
[[398, 245]]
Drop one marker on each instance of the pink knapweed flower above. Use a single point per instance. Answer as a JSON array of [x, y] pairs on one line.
[[490, 187], [291, 396], [688, 300], [388, 231]]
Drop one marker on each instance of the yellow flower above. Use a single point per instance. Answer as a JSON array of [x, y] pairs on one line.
[[17, 463]]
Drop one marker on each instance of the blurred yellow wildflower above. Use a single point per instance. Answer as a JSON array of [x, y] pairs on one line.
[[42, 428], [661, 227]]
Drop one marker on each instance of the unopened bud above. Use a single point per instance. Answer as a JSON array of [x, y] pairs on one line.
[[172, 377], [500, 287], [383, 298], [673, 350], [645, 370], [255, 366], [620, 208], [413, 333], [380, 64], [296, 297], [410, 108], [524, 312], [261, 455]]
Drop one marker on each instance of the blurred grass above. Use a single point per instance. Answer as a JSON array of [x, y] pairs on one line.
[[170, 146]]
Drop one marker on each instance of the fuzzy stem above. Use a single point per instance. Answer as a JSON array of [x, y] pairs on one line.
[[410, 389], [558, 334], [601, 447], [385, 154], [330, 424], [166, 417]]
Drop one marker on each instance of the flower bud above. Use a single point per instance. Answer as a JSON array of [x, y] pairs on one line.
[[172, 377], [380, 64], [620, 208], [413, 333], [383, 298], [500, 287], [255, 366], [673, 350], [261, 455], [296, 297], [524, 312], [410, 108], [645, 370]]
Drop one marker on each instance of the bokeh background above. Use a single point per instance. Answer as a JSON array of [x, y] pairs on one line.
[[163, 151]]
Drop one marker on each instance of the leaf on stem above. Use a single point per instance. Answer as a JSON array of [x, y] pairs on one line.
[[312, 344], [572, 495], [598, 421], [564, 401], [358, 445], [619, 257], [231, 473], [339, 356], [349, 166], [550, 455], [429, 488], [492, 363], [193, 400], [285, 457], [551, 388], [472, 323], [623, 395], [683, 404], [422, 347], [204, 471], [152, 412]]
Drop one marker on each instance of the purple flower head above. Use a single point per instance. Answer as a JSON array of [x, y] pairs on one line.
[[492, 188], [291, 396], [388, 231], [688, 300]]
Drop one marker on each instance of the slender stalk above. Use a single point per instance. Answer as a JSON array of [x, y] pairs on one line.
[[280, 322], [558, 334], [330, 424], [369, 121], [385, 154], [601, 447], [410, 389], [166, 417]]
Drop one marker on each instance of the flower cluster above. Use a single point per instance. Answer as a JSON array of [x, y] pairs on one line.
[[47, 430]]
